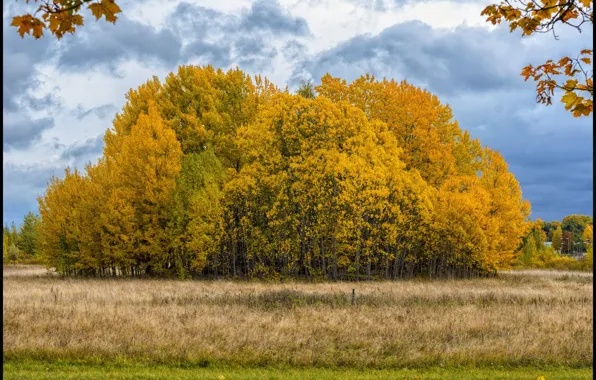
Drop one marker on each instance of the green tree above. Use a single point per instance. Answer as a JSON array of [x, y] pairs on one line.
[[529, 252], [306, 90], [13, 253], [576, 224], [196, 212], [550, 227], [13, 234], [28, 234], [5, 244]]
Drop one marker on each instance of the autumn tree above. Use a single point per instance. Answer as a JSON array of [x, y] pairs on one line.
[[589, 258], [550, 227], [508, 210], [567, 242], [587, 235], [5, 244], [62, 16], [59, 235], [544, 16], [195, 224], [146, 162], [557, 236]]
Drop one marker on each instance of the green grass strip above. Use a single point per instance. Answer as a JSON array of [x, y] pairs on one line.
[[25, 369]]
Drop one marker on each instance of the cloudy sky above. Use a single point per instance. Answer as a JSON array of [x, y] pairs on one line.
[[59, 97]]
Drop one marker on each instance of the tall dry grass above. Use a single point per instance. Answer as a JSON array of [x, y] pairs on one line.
[[518, 318]]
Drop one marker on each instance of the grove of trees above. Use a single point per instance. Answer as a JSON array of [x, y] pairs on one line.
[[215, 173]]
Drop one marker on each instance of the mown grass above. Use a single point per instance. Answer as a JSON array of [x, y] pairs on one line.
[[65, 370], [536, 319]]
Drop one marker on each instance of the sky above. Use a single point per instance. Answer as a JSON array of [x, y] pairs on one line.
[[59, 97]]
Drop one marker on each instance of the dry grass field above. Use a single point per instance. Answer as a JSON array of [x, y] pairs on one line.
[[539, 318]]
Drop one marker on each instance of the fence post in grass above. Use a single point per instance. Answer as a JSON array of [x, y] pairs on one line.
[[353, 295]]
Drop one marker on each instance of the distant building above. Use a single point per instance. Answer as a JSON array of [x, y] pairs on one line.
[[548, 243]]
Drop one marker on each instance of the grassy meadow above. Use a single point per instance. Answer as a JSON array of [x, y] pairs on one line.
[[520, 325]]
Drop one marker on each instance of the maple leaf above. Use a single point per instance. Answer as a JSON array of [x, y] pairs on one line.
[[569, 99], [24, 23], [106, 8], [96, 9], [37, 28], [571, 84]]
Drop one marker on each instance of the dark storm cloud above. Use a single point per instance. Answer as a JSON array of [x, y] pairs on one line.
[[125, 40], [465, 59], [23, 133], [20, 56], [476, 72], [221, 39], [214, 54], [254, 52], [549, 151], [268, 15], [191, 32], [190, 20]]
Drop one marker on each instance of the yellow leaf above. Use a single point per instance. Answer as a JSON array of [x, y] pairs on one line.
[[107, 8], [571, 84], [97, 10], [110, 9], [23, 23], [77, 20], [587, 61], [55, 21], [38, 30], [569, 99]]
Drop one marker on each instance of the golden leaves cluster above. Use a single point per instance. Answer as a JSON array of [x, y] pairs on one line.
[[62, 16], [540, 17]]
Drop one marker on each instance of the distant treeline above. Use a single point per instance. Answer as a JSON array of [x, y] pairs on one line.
[[212, 173], [571, 237], [20, 244]]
